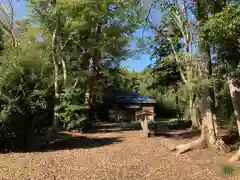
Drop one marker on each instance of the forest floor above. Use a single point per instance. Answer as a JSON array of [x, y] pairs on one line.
[[115, 153]]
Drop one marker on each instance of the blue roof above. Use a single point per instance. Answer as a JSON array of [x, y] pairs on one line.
[[134, 98]]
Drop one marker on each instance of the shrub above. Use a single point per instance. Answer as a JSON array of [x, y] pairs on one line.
[[226, 170], [166, 106], [25, 97], [72, 112]]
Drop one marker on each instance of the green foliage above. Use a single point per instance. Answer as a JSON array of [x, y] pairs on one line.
[[224, 110], [222, 27], [152, 83], [226, 170], [1, 41], [222, 31], [97, 30], [123, 80], [146, 79], [72, 112], [101, 31], [235, 146], [26, 99], [166, 72], [166, 106], [73, 117]]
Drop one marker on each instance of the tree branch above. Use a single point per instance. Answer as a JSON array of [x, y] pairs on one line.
[[9, 29], [10, 32], [147, 17], [177, 59]]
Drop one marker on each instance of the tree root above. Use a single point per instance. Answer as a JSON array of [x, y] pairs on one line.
[[202, 143], [197, 144], [236, 157], [220, 145]]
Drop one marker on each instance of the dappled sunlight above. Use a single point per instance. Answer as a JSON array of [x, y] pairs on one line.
[[109, 89]]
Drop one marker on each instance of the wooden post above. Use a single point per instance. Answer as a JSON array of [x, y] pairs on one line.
[[144, 123], [145, 130]]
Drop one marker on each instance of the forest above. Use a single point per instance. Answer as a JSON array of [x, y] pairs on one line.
[[60, 64]]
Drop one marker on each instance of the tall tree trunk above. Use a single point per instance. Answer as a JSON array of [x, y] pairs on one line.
[[208, 112], [63, 62], [184, 26], [209, 133], [9, 29], [234, 88], [1, 40], [208, 117], [88, 95], [10, 32], [209, 129], [65, 75], [194, 113], [93, 67], [56, 68], [177, 103]]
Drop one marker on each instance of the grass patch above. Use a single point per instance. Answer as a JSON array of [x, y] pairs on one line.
[[170, 120], [226, 170], [235, 146]]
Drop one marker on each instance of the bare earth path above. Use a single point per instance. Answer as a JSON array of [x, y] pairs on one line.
[[111, 156]]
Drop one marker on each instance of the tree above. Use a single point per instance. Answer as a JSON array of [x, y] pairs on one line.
[[222, 31], [93, 36], [1, 40], [210, 132], [26, 93], [176, 26], [196, 74], [109, 32], [7, 20]]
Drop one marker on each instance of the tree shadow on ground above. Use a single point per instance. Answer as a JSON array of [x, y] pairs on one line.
[[231, 139], [175, 130], [132, 126], [116, 128], [184, 134], [64, 141], [180, 130]]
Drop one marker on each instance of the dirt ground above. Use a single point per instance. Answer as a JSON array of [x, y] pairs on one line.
[[113, 155]]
